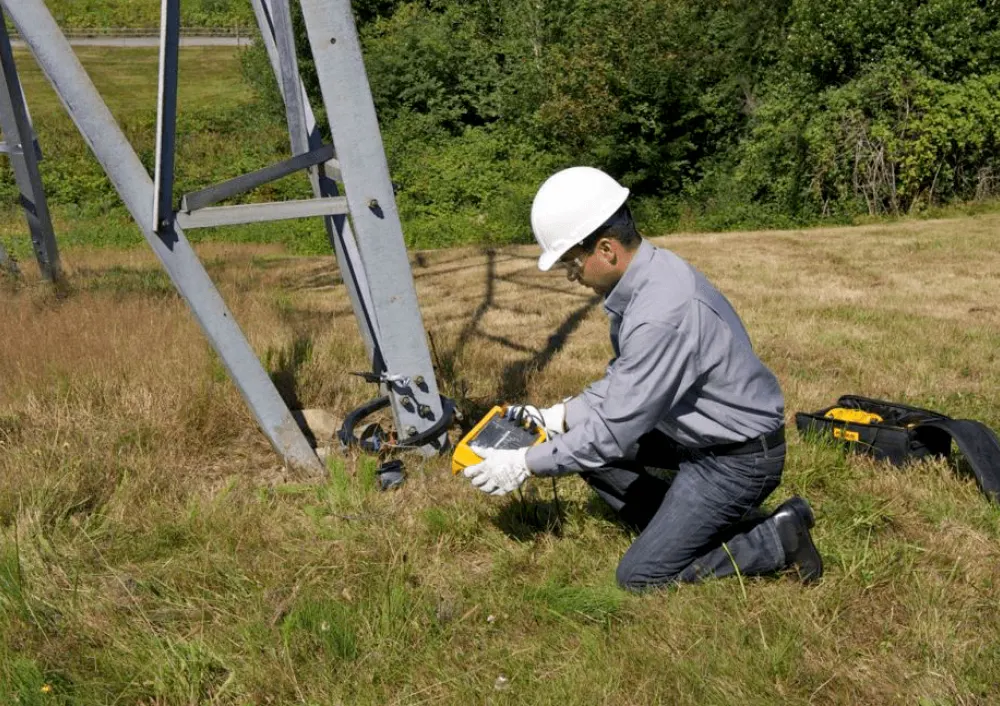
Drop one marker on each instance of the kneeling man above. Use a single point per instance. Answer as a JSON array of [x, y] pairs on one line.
[[685, 391]]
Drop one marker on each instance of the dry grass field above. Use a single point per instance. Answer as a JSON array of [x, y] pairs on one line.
[[153, 551]]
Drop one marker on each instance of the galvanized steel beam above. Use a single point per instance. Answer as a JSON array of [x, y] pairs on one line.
[[289, 79], [351, 112], [259, 212], [98, 127], [17, 130], [338, 228], [245, 182], [166, 115]]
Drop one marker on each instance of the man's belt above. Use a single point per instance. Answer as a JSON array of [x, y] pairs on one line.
[[737, 448]]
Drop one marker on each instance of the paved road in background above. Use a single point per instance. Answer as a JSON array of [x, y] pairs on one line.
[[152, 42]]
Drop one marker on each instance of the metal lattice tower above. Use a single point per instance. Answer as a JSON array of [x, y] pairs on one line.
[[374, 265]]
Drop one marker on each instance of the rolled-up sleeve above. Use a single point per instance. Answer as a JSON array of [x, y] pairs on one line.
[[657, 366]]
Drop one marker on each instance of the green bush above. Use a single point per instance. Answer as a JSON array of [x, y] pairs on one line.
[[726, 115], [86, 14], [715, 115], [874, 108], [893, 140], [432, 63], [475, 187]]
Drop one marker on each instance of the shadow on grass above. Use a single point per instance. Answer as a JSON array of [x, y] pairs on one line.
[[513, 383], [523, 519], [128, 281], [514, 380], [284, 364]]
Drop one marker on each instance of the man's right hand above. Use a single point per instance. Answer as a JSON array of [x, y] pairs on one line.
[[551, 419]]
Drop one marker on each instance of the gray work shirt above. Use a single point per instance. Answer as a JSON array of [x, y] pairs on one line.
[[683, 365]]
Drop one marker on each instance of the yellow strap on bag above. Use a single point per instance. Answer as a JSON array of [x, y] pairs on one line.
[[857, 416]]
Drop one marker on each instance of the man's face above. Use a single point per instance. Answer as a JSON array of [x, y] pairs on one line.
[[592, 268]]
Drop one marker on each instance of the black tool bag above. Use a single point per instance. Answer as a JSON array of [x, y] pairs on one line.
[[906, 433]]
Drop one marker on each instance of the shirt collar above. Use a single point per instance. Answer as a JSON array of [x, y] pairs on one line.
[[621, 294]]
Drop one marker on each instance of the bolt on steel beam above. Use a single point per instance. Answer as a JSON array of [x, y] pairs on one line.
[[6, 149], [108, 143], [18, 134]]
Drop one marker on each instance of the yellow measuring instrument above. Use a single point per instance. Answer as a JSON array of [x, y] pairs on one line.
[[495, 431]]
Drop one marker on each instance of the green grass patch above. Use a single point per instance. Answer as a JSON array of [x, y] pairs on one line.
[[321, 624], [577, 603], [124, 281], [153, 550]]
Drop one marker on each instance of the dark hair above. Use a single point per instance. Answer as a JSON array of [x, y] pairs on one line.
[[619, 227]]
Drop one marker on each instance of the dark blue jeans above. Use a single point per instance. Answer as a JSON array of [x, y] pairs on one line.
[[704, 522]]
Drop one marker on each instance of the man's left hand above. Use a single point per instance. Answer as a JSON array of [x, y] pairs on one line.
[[551, 419], [500, 472]]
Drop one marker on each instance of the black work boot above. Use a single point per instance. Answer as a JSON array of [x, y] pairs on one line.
[[793, 518]]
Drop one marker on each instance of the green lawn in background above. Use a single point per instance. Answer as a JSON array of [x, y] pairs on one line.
[[221, 134]]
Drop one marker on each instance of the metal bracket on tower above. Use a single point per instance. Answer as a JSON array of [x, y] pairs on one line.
[[7, 149]]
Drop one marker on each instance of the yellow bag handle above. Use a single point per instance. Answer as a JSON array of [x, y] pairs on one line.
[[857, 416]]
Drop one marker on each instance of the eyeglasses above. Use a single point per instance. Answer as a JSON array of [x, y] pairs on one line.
[[573, 263]]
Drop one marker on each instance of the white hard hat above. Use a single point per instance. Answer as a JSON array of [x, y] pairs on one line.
[[571, 205]]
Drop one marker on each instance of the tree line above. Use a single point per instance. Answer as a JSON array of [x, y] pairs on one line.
[[722, 114], [730, 113]]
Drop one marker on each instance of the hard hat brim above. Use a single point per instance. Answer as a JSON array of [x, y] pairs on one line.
[[549, 258]]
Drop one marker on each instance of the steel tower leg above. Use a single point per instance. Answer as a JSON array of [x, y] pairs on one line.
[[21, 144], [274, 22], [416, 404]]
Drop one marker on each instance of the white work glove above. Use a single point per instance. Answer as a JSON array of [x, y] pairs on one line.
[[551, 419], [500, 472]]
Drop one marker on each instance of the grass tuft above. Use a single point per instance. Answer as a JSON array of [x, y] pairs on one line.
[[324, 625], [598, 604]]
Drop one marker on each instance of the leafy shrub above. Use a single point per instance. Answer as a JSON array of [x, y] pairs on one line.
[[475, 187], [716, 115], [890, 141]]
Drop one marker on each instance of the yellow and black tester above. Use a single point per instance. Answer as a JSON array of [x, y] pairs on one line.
[[495, 431]]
